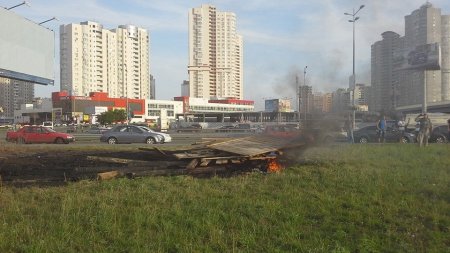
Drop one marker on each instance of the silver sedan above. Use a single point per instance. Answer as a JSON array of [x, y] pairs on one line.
[[129, 134], [165, 137]]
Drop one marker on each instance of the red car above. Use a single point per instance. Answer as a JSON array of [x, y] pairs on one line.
[[38, 134]]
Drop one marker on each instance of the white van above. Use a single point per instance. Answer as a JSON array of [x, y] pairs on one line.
[[48, 124]]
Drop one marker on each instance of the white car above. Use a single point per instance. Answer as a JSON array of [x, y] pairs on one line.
[[48, 124], [165, 137]]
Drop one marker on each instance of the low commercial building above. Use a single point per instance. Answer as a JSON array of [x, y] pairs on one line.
[[34, 113], [78, 109]]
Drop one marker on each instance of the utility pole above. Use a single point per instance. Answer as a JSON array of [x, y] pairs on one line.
[[353, 21], [298, 98], [304, 84]]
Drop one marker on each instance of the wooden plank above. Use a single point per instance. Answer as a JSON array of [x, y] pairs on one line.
[[160, 151], [224, 157], [108, 175], [192, 164], [204, 163], [109, 159], [193, 154], [253, 145], [131, 162]]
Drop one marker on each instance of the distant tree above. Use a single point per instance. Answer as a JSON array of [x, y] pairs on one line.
[[120, 115], [112, 116]]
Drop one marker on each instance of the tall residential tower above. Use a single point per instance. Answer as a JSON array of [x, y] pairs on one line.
[[215, 54], [422, 26], [383, 78], [395, 87], [94, 59]]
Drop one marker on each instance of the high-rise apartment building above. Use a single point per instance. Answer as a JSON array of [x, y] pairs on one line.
[[306, 99], [215, 54], [382, 72], [94, 59], [445, 56], [361, 94], [14, 93], [340, 100], [152, 87], [185, 88], [393, 87], [327, 102], [422, 26]]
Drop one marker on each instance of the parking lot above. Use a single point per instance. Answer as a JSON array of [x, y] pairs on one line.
[[184, 138]]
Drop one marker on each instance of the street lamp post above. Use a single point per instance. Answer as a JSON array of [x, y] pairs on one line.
[[124, 80], [353, 21], [298, 98], [304, 84], [17, 5], [48, 20]]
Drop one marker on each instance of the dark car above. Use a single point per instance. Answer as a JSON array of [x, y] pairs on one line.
[[439, 134], [226, 128], [129, 134], [72, 129], [196, 127], [282, 131], [370, 134]]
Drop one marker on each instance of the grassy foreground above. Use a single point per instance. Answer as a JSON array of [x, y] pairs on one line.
[[375, 198]]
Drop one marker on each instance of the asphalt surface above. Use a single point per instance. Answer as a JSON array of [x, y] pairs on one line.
[[177, 138]]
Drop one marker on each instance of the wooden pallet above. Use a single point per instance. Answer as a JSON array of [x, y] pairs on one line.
[[254, 145]]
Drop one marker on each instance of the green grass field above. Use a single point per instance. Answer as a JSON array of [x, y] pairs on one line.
[[350, 198]]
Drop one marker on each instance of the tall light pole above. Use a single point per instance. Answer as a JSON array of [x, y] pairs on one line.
[[304, 84], [48, 20], [353, 21], [17, 5], [298, 98], [124, 80]]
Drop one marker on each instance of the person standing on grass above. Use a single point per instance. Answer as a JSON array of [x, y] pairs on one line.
[[402, 125], [424, 129], [348, 126], [381, 126]]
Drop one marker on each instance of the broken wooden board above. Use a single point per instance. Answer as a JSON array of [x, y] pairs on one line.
[[254, 145]]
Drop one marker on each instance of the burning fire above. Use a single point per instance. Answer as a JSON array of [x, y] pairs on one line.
[[273, 166]]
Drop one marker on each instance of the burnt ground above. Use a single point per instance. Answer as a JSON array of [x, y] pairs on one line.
[[53, 168], [58, 164], [49, 168]]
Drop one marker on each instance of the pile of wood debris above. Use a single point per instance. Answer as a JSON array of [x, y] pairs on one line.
[[236, 155]]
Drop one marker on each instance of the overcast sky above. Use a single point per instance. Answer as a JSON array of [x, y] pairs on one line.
[[280, 37]]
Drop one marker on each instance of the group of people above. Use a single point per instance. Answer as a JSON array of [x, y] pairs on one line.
[[422, 119], [424, 131]]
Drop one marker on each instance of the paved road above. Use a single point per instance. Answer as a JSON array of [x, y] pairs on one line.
[[177, 138]]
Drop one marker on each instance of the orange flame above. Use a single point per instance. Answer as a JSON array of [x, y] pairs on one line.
[[273, 166]]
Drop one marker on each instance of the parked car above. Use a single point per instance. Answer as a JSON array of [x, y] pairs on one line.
[[38, 134], [130, 134], [370, 134], [165, 137], [196, 127], [331, 136], [439, 134], [226, 128], [71, 129], [283, 131], [239, 128], [97, 130], [48, 124]]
